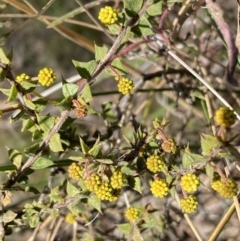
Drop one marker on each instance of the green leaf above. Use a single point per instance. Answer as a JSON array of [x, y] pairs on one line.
[[95, 149], [31, 189], [85, 69], [55, 143], [86, 93], [41, 163], [28, 124], [28, 85], [65, 104], [46, 122], [135, 183], [116, 64], [9, 216], [155, 8], [132, 7], [15, 157], [95, 202], [230, 152], [126, 228], [5, 60], [142, 28], [40, 104], [13, 93], [34, 220], [190, 159], [100, 52], [209, 143], [31, 149], [29, 103], [114, 29], [5, 91], [127, 170], [210, 171], [105, 161], [69, 89], [84, 147], [78, 158], [72, 190]]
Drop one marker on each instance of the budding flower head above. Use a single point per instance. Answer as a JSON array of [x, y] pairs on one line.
[[125, 85], [190, 182], [132, 213], [169, 146], [227, 188], [118, 180], [159, 188], [106, 192], [156, 163], [75, 171], [46, 76], [22, 77], [189, 204], [108, 15], [224, 117]]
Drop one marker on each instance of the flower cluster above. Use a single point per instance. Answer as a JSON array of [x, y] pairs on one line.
[[226, 188], [190, 182], [189, 204], [159, 188], [132, 214], [224, 117], [108, 15], [169, 146], [156, 163], [118, 180], [106, 192], [46, 76], [125, 85], [93, 183], [103, 189], [20, 78], [75, 171]]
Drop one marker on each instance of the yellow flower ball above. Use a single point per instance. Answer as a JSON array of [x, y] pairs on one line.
[[46, 76], [108, 15]]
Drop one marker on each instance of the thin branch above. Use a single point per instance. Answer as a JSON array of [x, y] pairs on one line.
[[195, 74]]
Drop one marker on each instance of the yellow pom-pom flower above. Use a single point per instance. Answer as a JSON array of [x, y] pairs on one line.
[[70, 218], [22, 77], [189, 204], [118, 180], [93, 183], [75, 171], [132, 214], [108, 15], [156, 163], [224, 117], [190, 182], [169, 146], [125, 86], [159, 188], [226, 188], [106, 192], [46, 76]]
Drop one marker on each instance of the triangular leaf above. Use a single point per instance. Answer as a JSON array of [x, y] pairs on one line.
[[41, 163], [55, 143], [95, 202], [69, 89], [85, 69], [208, 143], [72, 190]]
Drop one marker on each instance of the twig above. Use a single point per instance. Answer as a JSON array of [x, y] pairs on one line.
[[195, 74]]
